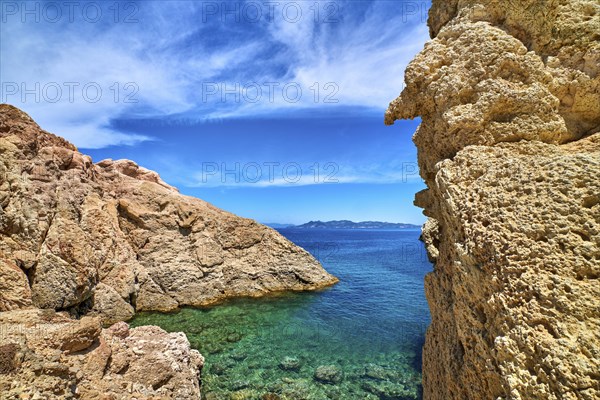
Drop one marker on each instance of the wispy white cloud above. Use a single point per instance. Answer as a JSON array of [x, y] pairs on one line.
[[92, 134], [161, 65], [255, 175]]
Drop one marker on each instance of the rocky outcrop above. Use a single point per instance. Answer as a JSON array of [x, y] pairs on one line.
[[111, 238], [509, 147], [45, 355], [99, 242]]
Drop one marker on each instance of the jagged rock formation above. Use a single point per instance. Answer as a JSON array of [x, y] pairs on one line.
[[111, 238], [105, 240], [51, 356], [509, 147]]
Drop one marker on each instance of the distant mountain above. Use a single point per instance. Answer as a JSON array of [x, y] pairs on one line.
[[278, 226], [356, 225]]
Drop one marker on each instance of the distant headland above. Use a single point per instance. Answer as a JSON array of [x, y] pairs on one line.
[[345, 224]]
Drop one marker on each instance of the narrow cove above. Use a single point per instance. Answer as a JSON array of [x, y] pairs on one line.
[[360, 339]]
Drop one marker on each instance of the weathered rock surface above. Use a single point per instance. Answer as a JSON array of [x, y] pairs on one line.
[[111, 238], [102, 241], [48, 355], [509, 147]]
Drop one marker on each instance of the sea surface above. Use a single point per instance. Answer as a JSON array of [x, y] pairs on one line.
[[360, 339]]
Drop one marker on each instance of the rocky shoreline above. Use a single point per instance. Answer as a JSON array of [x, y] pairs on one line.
[[48, 355], [86, 245], [509, 147]]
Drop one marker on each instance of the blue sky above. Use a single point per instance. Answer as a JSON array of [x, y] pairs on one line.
[[271, 110]]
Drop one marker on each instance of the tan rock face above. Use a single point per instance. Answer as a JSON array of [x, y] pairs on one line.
[[475, 83], [112, 238], [14, 287], [510, 151], [103, 241], [45, 355]]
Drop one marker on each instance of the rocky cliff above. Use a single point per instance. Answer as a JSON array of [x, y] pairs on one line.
[[111, 238], [509, 147], [103, 241]]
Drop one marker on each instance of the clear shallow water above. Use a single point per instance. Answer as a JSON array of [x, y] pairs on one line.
[[360, 339]]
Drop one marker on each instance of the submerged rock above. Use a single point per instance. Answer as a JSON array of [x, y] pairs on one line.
[[244, 394], [239, 356], [288, 388], [234, 337], [239, 385], [328, 374], [290, 364], [218, 368], [270, 396], [375, 371], [385, 390]]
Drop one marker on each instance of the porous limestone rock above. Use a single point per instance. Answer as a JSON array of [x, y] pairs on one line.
[[475, 83], [509, 147], [112, 238], [48, 355]]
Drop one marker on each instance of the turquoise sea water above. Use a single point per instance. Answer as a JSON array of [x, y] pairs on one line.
[[360, 339]]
